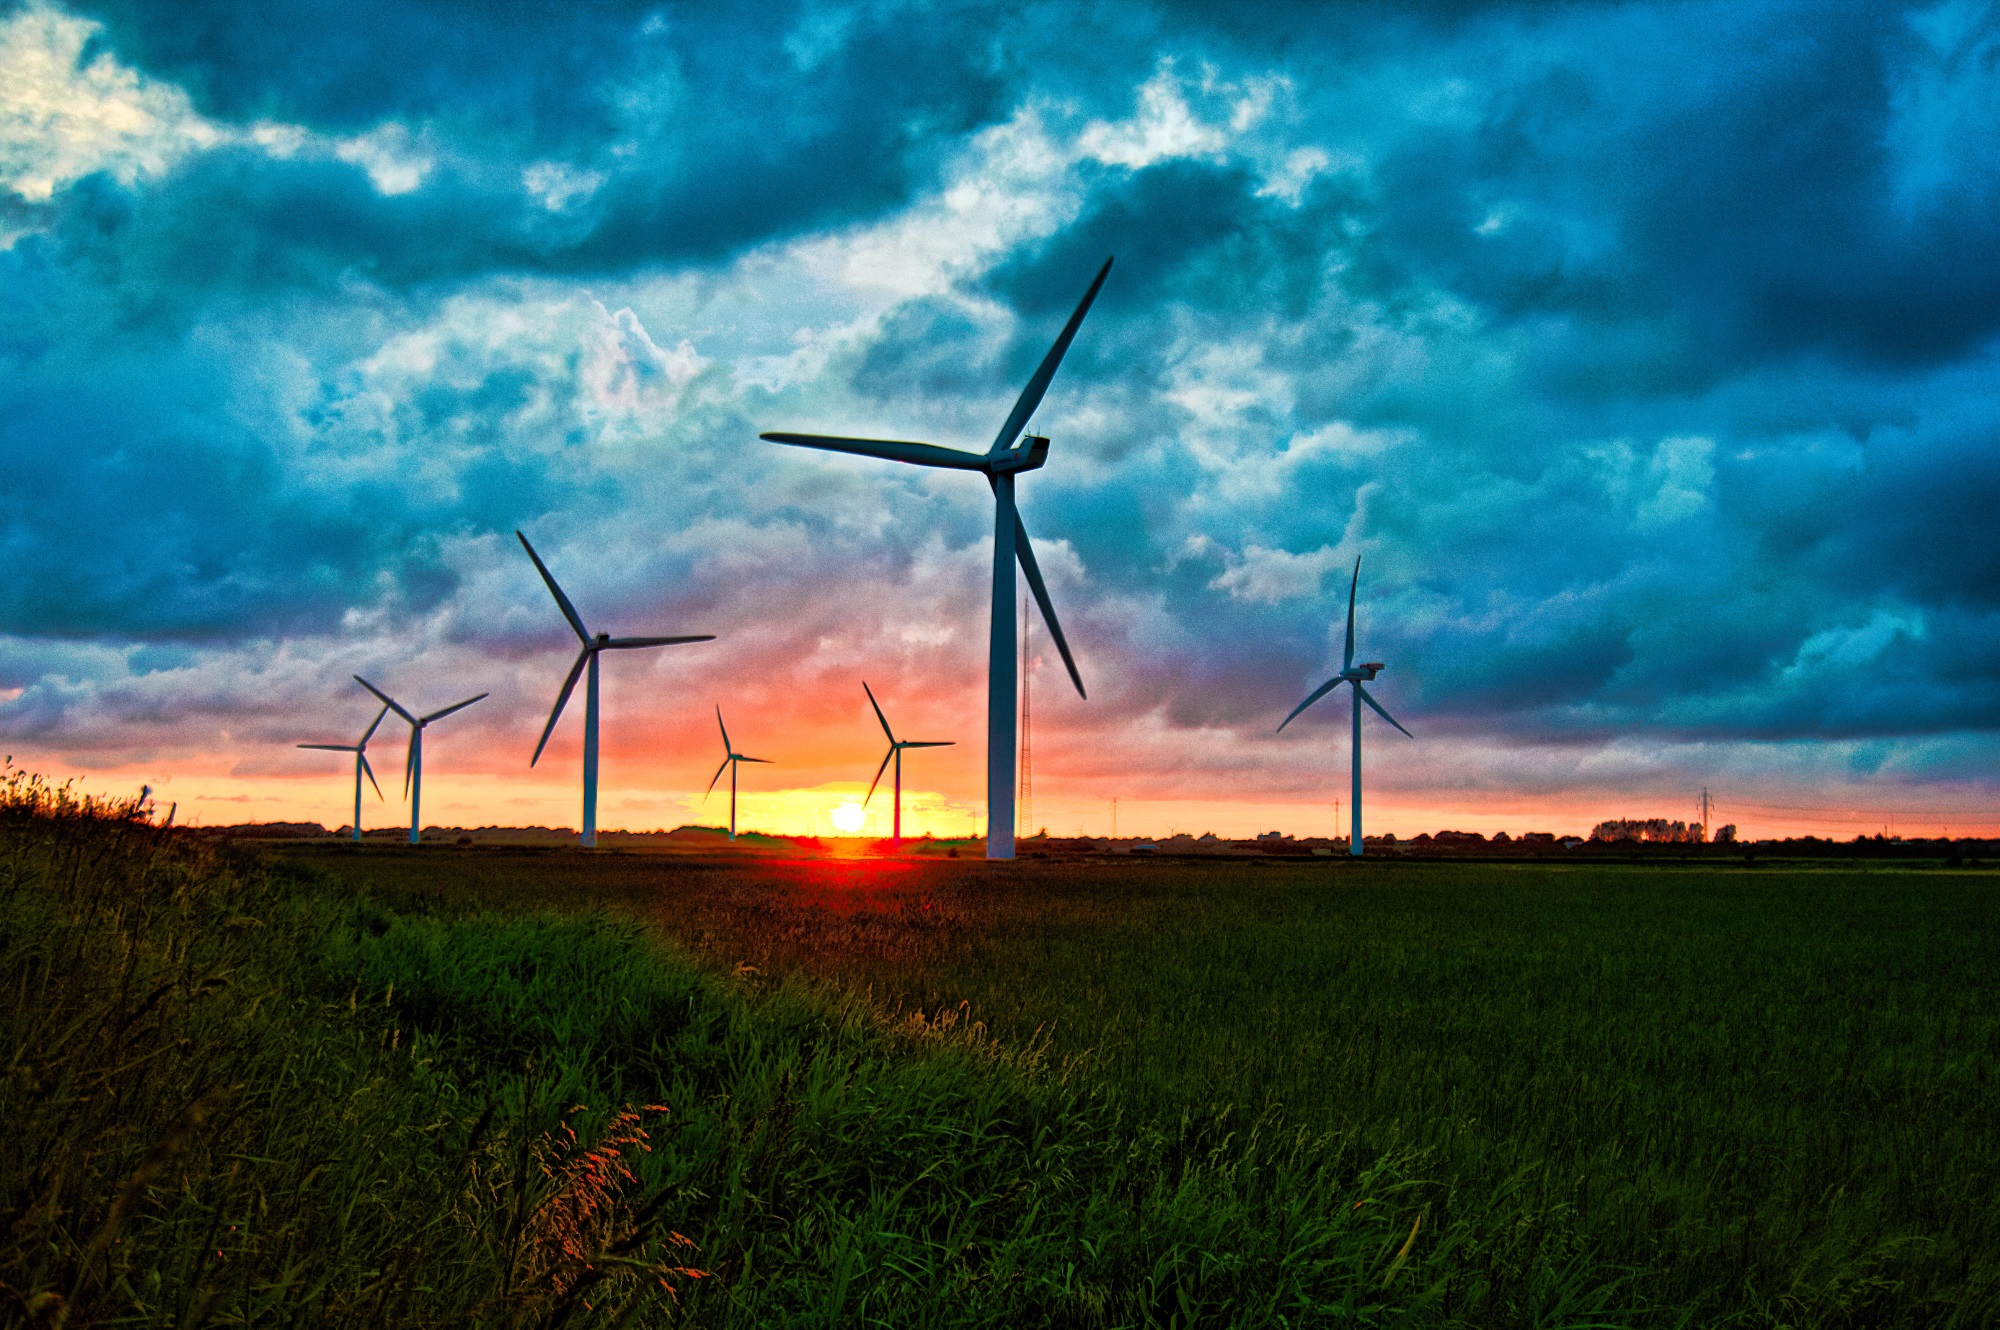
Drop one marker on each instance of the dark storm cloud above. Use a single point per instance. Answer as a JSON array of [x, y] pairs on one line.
[[137, 507], [1742, 169], [712, 127]]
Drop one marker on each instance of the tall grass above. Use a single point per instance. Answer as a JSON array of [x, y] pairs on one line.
[[1762, 1097], [202, 1131], [238, 1097]]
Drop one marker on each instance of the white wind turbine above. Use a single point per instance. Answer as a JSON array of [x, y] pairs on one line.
[[1354, 674], [361, 767], [586, 659], [729, 763], [413, 765], [1000, 464], [896, 747]]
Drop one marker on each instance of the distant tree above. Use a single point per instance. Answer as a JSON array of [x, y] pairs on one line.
[[1726, 835], [1646, 829]]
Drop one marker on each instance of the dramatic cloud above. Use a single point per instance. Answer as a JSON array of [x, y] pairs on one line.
[[1642, 354]]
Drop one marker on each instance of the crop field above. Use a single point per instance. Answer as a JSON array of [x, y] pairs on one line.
[[1647, 1095]]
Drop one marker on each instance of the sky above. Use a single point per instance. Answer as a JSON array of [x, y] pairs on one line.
[[1643, 354]]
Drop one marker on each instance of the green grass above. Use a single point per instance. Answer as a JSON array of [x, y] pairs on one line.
[[245, 1096], [1706, 1095]]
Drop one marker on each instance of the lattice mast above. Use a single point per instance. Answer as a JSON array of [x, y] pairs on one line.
[[1024, 802]]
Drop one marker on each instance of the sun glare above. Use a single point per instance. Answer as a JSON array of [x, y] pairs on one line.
[[849, 817]]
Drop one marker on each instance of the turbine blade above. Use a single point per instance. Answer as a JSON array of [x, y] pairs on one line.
[[387, 700], [331, 748], [1026, 554], [1316, 695], [562, 601], [371, 729], [725, 732], [1367, 697], [409, 761], [717, 776], [930, 743], [456, 706], [878, 774], [370, 773], [562, 698], [1031, 396], [922, 454], [878, 711], [1347, 651], [765, 760], [629, 643]]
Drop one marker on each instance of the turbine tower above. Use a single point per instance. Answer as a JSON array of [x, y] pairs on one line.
[[896, 747], [413, 765], [587, 659], [361, 767], [1000, 464], [1354, 674], [729, 763]]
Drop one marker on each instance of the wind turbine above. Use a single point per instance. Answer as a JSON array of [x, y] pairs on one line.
[[413, 765], [361, 767], [1000, 464], [731, 762], [587, 658], [896, 747], [1354, 674]]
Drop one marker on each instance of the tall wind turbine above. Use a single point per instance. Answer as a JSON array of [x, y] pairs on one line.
[[896, 747], [413, 765], [1354, 674], [730, 762], [1000, 464], [587, 659], [361, 767]]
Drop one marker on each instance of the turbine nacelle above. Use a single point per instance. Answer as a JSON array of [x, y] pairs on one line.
[[1029, 456], [1365, 673]]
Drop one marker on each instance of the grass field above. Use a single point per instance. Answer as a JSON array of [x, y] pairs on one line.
[[506, 1087], [1686, 1095]]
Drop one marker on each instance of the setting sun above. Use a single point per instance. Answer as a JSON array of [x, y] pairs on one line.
[[849, 817]]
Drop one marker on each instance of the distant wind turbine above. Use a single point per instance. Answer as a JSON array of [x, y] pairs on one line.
[[729, 763], [361, 767], [587, 659], [1000, 464], [1354, 674], [413, 765], [896, 747]]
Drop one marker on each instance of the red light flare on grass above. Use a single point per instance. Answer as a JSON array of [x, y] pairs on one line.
[[828, 915], [847, 885]]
